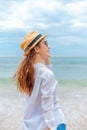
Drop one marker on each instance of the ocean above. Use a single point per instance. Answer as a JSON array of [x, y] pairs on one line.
[[71, 73], [65, 68]]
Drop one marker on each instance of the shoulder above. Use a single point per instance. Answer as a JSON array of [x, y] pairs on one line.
[[47, 74], [43, 71]]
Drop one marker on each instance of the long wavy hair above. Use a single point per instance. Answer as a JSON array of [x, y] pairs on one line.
[[25, 74]]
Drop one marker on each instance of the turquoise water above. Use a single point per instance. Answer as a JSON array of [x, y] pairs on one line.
[[64, 68], [70, 68], [70, 72], [72, 76]]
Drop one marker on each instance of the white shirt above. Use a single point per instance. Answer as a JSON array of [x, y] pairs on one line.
[[42, 109]]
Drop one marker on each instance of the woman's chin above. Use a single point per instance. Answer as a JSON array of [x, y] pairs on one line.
[[49, 55]]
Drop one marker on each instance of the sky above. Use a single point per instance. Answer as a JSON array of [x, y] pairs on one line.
[[65, 22]]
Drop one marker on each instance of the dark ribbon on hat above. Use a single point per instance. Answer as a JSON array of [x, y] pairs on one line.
[[38, 36]]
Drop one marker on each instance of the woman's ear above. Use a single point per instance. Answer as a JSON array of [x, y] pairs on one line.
[[36, 48]]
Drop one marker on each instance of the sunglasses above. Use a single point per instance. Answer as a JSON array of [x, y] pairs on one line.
[[46, 43]]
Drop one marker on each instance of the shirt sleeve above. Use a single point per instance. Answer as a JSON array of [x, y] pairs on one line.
[[47, 92], [49, 66]]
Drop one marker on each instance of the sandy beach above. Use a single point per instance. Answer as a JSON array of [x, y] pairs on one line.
[[73, 99]]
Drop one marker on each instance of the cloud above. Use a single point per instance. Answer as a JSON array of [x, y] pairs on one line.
[[64, 21], [78, 13], [28, 14], [79, 24], [77, 8], [14, 15], [12, 24], [72, 40]]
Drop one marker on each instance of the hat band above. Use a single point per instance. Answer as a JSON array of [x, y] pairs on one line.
[[33, 42]]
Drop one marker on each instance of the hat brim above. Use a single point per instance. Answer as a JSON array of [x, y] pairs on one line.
[[27, 52]]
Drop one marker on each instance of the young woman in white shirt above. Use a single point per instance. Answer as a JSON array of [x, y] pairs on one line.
[[36, 80]]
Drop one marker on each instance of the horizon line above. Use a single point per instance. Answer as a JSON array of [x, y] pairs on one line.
[[50, 57]]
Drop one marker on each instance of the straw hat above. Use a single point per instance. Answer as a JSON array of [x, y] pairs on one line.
[[30, 40]]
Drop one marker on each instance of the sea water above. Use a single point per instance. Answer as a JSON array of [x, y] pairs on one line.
[[71, 74], [70, 68], [65, 68]]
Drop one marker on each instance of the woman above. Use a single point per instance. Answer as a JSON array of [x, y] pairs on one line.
[[36, 79]]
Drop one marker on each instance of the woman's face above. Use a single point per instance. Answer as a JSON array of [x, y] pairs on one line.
[[44, 49]]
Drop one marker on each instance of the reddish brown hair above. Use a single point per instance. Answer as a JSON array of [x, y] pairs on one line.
[[25, 74]]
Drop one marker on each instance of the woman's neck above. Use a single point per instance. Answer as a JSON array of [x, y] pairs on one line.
[[38, 59]]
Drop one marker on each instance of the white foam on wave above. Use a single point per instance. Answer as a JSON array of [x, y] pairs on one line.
[[10, 111]]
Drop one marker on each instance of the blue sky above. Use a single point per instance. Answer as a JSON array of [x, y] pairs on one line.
[[65, 22]]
